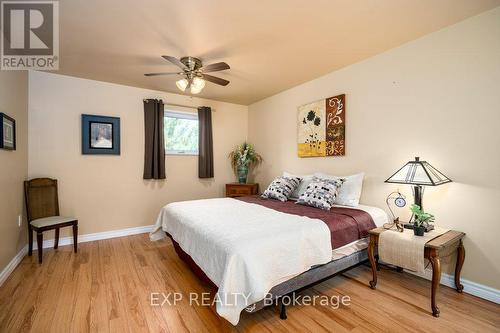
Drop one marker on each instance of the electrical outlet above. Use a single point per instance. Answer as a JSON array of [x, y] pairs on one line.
[[19, 220]]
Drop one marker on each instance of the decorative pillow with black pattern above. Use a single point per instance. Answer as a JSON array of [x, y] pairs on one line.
[[321, 193], [281, 188]]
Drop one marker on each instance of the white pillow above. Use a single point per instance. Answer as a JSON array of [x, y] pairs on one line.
[[306, 180], [350, 191]]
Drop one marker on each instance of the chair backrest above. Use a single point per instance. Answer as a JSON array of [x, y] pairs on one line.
[[41, 198]]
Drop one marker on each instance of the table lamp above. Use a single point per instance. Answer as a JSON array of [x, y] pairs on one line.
[[419, 174]]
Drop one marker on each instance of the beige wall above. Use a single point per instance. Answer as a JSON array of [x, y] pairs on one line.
[[108, 192], [437, 97], [13, 165]]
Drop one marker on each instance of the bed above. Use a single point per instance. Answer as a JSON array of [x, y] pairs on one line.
[[252, 248]]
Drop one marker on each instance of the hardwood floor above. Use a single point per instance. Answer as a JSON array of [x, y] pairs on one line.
[[106, 287]]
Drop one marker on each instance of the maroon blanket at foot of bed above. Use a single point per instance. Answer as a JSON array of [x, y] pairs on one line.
[[346, 224]]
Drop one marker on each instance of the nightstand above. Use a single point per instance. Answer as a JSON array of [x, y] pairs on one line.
[[239, 190], [449, 241]]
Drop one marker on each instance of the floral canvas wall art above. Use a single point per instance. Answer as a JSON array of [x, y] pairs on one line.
[[321, 128], [312, 130]]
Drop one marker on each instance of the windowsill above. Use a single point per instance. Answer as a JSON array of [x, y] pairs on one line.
[[181, 154]]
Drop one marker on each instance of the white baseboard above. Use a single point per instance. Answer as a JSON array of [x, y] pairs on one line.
[[96, 236], [473, 288], [4, 274]]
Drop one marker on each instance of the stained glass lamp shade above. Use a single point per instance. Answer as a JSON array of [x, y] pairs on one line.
[[418, 173]]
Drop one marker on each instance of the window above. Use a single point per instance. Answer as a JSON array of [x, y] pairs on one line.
[[181, 133]]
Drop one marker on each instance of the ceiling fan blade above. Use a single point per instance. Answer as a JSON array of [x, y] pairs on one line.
[[215, 79], [166, 73], [220, 66], [175, 61]]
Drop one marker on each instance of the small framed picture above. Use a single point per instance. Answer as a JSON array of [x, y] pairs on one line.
[[100, 135], [7, 132]]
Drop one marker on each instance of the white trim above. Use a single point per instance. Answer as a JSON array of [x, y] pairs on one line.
[[4, 274], [470, 287], [182, 152], [180, 108], [96, 236], [180, 114]]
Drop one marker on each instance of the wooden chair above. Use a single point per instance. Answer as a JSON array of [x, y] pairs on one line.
[[42, 206]]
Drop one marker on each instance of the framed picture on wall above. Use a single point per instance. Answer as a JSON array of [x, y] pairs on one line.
[[100, 135], [321, 128], [7, 132]]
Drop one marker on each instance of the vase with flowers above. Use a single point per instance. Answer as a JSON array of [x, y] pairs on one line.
[[242, 158]]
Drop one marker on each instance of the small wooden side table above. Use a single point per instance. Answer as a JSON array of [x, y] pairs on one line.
[[239, 190], [449, 241]]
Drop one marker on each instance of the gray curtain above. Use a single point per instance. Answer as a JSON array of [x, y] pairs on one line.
[[154, 152], [205, 143]]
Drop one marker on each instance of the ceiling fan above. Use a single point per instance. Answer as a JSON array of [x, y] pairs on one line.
[[194, 73]]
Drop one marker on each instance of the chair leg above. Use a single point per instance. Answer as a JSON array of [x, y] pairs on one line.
[[30, 241], [39, 241], [75, 237], [56, 239]]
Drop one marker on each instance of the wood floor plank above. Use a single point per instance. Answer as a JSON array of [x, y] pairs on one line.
[[136, 262], [82, 311], [45, 309], [116, 313], [107, 287], [128, 290], [16, 286], [68, 299], [23, 314], [98, 320]]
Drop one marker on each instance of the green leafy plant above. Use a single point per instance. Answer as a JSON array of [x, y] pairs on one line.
[[421, 217], [244, 155]]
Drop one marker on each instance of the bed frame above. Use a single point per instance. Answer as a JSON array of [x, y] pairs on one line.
[[312, 277], [296, 284]]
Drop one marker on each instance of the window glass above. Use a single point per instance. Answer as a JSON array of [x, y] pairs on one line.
[[181, 133]]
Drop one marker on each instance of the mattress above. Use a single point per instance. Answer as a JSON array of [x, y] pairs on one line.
[[379, 217]]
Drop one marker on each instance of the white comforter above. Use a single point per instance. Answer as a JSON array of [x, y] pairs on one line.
[[245, 249]]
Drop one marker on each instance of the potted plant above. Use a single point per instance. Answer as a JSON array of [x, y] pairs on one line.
[[242, 157], [421, 220]]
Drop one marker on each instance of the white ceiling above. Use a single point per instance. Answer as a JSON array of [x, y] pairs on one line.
[[270, 45]]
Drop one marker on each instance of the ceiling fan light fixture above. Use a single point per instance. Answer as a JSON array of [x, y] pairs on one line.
[[197, 85], [182, 84], [193, 73]]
